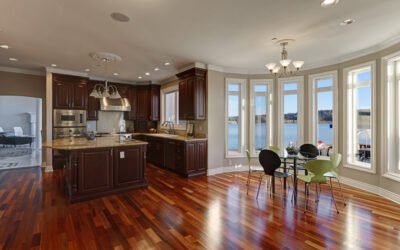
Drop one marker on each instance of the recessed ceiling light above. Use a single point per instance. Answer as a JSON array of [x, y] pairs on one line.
[[115, 74], [156, 69], [147, 73], [53, 65], [327, 3], [87, 70], [347, 22], [4, 46], [13, 59], [119, 17], [140, 77], [167, 63]]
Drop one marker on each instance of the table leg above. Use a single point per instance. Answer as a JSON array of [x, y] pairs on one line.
[[295, 180], [273, 184], [284, 170]]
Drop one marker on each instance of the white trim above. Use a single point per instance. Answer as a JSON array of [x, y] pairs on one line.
[[300, 108], [371, 188], [66, 72], [270, 90], [358, 166], [193, 65], [22, 71], [242, 117], [313, 108], [392, 176]]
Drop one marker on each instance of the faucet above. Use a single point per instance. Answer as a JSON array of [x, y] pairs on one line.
[[170, 125]]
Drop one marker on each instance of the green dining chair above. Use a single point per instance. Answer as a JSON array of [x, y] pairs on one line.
[[316, 171], [251, 169], [276, 149], [335, 158]]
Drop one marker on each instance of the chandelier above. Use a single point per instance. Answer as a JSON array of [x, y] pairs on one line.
[[287, 66], [105, 90]]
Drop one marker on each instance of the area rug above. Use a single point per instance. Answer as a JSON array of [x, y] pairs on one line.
[[14, 152]]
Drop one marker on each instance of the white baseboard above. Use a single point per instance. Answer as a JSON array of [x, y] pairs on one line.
[[348, 181]]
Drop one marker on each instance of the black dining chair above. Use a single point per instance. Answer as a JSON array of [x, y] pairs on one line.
[[270, 162], [308, 151]]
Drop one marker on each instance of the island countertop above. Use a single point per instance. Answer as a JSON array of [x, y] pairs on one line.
[[83, 143]]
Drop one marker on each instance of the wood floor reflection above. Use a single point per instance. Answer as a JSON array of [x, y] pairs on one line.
[[176, 213]]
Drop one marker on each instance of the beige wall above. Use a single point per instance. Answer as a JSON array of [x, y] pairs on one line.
[[25, 85], [216, 117]]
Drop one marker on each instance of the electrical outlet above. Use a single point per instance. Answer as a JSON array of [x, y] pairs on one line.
[[122, 155]]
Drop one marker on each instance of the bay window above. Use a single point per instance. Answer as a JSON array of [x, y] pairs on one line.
[[359, 116], [260, 115], [323, 109], [235, 117], [290, 111]]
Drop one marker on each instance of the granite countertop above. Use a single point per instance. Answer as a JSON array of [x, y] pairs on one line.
[[83, 143], [175, 137]]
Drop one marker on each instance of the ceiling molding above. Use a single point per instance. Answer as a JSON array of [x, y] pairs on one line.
[[22, 71], [66, 72]]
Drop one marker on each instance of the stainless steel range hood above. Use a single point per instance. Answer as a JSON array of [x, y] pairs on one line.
[[120, 104]]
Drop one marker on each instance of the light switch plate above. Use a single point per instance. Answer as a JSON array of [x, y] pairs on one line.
[[122, 155]]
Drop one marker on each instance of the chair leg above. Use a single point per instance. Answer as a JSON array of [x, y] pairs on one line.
[[333, 197], [306, 197], [316, 192], [259, 185], [341, 192]]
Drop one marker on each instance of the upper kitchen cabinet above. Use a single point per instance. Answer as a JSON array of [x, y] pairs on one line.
[[154, 102], [93, 105], [148, 102], [192, 94], [123, 89], [70, 92]]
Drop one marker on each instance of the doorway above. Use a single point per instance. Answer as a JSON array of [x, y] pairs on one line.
[[20, 132]]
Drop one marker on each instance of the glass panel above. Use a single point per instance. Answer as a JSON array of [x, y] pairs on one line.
[[290, 86], [363, 124], [324, 83], [233, 123], [290, 119], [260, 121], [363, 76], [234, 87], [170, 106], [260, 88], [325, 119]]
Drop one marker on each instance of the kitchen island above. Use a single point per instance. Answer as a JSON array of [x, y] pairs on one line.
[[102, 166]]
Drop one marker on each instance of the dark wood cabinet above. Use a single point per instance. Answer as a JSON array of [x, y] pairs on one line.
[[123, 89], [154, 103], [170, 155], [142, 103], [126, 162], [192, 94], [155, 150], [93, 103], [95, 170], [70, 92]]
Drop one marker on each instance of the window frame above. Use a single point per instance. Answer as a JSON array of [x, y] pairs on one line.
[[347, 152], [313, 105], [269, 95], [300, 108], [243, 117], [390, 110], [163, 91]]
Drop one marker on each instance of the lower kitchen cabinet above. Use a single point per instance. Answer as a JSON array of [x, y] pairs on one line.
[[187, 158], [125, 160]]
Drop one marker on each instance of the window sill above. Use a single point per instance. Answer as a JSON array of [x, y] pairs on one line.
[[232, 156], [392, 176], [359, 168]]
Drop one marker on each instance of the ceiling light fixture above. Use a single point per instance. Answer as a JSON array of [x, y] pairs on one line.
[[87, 70], [167, 63], [140, 77], [327, 3], [13, 59], [156, 69], [287, 65], [347, 22], [147, 73], [115, 74], [4, 46], [53, 65]]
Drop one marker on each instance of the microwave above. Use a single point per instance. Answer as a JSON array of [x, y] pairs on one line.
[[69, 118]]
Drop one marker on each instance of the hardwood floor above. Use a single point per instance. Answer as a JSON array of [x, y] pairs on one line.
[[200, 213]]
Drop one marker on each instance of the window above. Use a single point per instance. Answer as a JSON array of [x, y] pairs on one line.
[[359, 111], [391, 123], [323, 113], [235, 117], [170, 106], [260, 115], [290, 111]]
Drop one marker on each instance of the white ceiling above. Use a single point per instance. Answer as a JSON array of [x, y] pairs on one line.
[[227, 33]]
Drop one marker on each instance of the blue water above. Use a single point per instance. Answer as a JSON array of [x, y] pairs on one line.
[[325, 134]]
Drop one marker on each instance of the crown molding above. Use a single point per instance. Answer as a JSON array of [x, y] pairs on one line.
[[66, 72], [22, 71]]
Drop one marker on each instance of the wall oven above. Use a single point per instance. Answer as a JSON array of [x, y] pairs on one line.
[[69, 118]]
